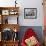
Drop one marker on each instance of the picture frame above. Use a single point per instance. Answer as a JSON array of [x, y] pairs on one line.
[[30, 13], [5, 12]]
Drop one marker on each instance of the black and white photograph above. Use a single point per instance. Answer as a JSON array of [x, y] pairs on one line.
[[30, 13]]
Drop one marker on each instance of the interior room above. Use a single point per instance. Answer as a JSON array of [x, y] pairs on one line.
[[22, 23]]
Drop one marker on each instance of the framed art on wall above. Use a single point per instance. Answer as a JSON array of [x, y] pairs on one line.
[[30, 13]]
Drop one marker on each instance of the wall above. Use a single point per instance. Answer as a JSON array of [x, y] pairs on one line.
[[27, 4], [31, 4]]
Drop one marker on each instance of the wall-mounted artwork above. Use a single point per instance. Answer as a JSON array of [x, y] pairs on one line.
[[30, 13]]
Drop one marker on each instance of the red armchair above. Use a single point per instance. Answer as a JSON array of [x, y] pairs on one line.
[[29, 33]]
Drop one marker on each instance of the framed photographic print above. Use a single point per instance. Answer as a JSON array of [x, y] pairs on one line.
[[5, 12], [30, 13]]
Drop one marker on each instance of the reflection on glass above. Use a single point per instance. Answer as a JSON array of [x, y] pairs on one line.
[[9, 34]]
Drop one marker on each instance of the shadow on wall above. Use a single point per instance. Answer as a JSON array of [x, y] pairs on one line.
[[37, 29]]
